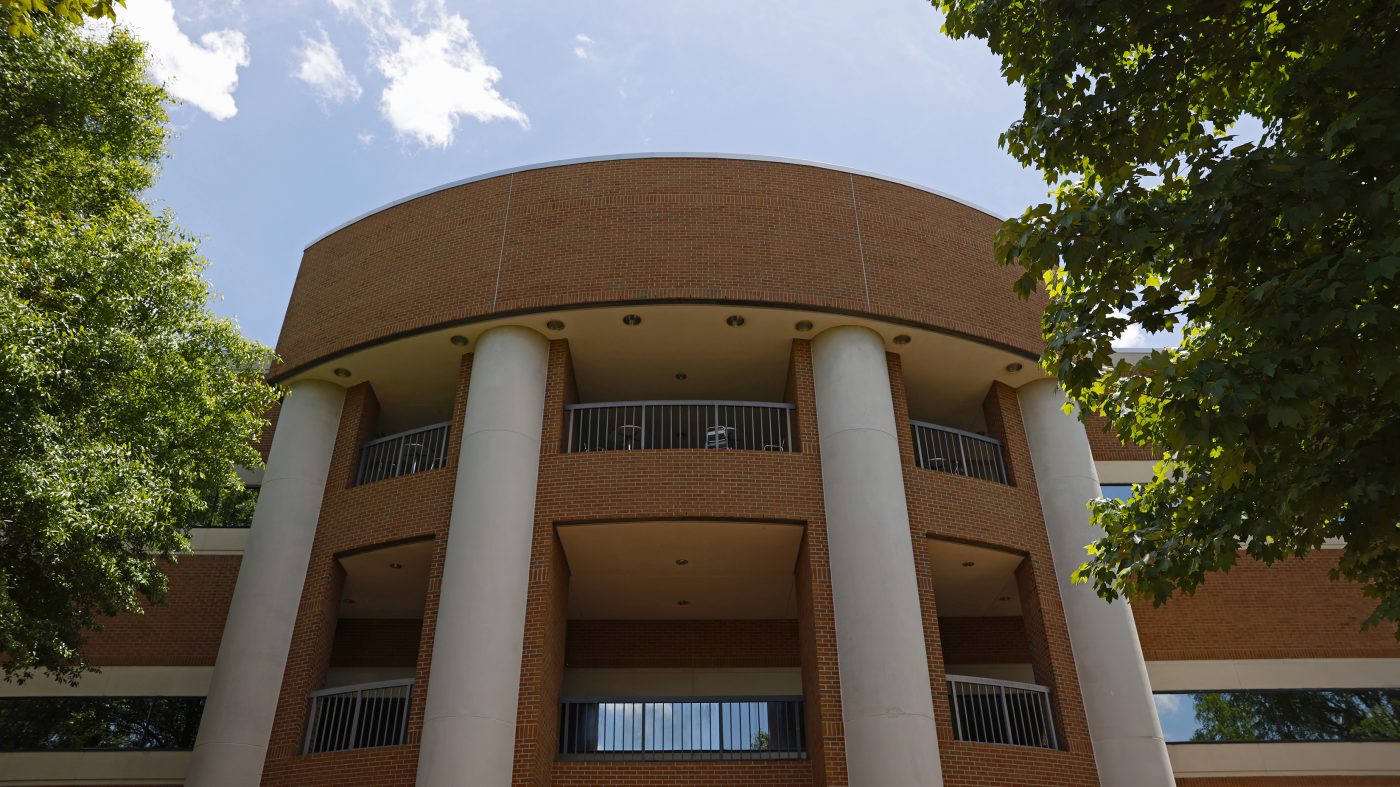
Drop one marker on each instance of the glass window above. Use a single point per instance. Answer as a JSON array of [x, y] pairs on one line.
[[122, 723], [1119, 491], [1268, 715]]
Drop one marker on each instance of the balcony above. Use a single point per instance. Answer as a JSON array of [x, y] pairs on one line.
[[950, 450], [705, 424], [362, 716], [692, 728], [401, 454], [1001, 711]]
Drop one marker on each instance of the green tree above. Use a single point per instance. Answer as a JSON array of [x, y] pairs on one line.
[[1343, 714], [124, 403], [23, 14], [1275, 256]]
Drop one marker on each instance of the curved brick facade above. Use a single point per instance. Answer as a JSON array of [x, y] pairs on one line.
[[656, 230]]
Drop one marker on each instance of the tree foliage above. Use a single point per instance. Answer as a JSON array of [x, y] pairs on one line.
[[124, 403], [1276, 256], [1339, 715], [23, 14]]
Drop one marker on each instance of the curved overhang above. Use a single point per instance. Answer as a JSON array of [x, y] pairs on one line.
[[651, 230]]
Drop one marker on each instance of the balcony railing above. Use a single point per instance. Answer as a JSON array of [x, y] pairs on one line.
[[1001, 711], [955, 451], [641, 426], [400, 454], [693, 728], [358, 717]]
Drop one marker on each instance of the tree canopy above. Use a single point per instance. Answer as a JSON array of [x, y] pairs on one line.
[[22, 14], [124, 402], [1274, 252]]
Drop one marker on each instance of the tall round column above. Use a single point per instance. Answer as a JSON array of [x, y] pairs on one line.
[[238, 714], [469, 721], [1123, 725], [885, 695]]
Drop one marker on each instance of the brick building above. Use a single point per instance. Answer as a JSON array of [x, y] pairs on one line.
[[688, 470]]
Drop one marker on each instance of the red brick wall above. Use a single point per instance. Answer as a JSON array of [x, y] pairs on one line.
[[1290, 781], [618, 231], [354, 518], [997, 516], [376, 642], [183, 632], [682, 643], [1108, 447], [1289, 610], [999, 640]]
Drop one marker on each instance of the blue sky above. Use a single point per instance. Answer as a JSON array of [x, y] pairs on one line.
[[301, 114]]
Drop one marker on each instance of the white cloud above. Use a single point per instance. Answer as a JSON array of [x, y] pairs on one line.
[[365, 138], [322, 69], [206, 73], [581, 51], [1167, 703], [436, 70]]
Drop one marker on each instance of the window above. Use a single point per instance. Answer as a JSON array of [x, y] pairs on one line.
[[110, 723], [1274, 715], [230, 509], [1117, 491]]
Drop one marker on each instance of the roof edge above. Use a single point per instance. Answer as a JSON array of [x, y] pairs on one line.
[[657, 155]]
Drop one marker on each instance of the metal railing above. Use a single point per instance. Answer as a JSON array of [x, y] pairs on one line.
[[400, 454], [358, 717], [955, 451], [640, 426], [686, 728], [1001, 711]]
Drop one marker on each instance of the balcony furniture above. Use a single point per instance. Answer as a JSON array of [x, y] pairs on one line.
[[399, 454], [1001, 711], [682, 728], [705, 424], [950, 450], [362, 716]]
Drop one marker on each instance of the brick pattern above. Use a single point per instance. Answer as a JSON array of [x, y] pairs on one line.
[[354, 518], [183, 632], [264, 443], [712, 644], [613, 231], [1000, 640], [1289, 610], [376, 642], [1107, 446], [1007, 517]]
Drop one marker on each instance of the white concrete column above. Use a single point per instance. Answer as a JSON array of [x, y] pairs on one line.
[[238, 715], [469, 721], [1123, 723], [885, 696]]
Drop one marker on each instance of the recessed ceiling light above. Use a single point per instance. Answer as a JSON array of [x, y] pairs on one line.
[[682, 603], [735, 320], [342, 372], [803, 325], [460, 340], [682, 562], [1014, 367], [681, 375], [968, 564], [903, 338], [632, 319], [555, 325], [395, 565]]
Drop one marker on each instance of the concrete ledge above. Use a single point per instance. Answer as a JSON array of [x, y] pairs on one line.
[[219, 540], [94, 767], [1284, 759], [1125, 472], [119, 682], [1227, 674]]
